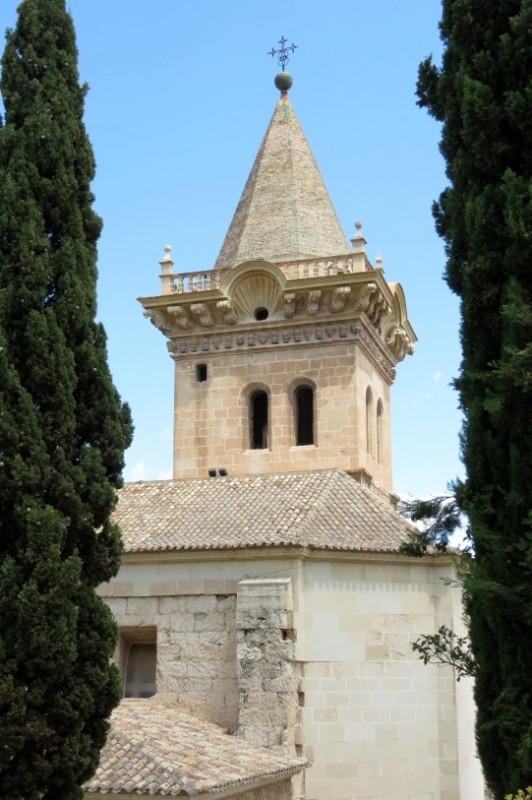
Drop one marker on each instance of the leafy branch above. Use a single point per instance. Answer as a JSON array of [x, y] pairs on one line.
[[435, 519], [446, 648]]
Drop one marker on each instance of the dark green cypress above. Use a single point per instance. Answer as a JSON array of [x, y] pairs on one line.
[[483, 95], [63, 428]]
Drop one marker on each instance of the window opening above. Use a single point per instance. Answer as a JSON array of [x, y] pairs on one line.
[[141, 668], [370, 423], [258, 421], [304, 408], [261, 313], [201, 373], [380, 421]]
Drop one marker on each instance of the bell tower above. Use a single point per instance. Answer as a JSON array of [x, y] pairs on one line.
[[286, 350]]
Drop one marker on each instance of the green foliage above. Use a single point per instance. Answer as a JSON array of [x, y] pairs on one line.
[[522, 794], [483, 95], [437, 518], [445, 647], [63, 429]]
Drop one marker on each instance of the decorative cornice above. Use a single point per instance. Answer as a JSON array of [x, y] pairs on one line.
[[289, 552], [268, 338], [328, 298]]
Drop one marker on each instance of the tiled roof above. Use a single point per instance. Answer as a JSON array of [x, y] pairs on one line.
[[154, 749], [324, 509], [284, 211]]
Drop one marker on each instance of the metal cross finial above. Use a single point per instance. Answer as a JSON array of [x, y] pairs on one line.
[[283, 52]]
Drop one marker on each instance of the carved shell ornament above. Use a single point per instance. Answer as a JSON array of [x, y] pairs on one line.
[[257, 291]]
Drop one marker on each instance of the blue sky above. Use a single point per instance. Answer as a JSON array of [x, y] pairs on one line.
[[180, 96]]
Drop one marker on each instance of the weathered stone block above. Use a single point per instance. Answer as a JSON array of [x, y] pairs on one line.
[[118, 606], [209, 622], [264, 619], [227, 603], [145, 607], [168, 605], [201, 604]]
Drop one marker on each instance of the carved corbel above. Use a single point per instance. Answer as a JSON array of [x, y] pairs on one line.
[[377, 308], [339, 297], [289, 304], [180, 315], [313, 302], [203, 313], [228, 310], [399, 343], [363, 297], [159, 320]]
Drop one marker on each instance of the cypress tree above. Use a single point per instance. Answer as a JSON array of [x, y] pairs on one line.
[[483, 96], [63, 428]]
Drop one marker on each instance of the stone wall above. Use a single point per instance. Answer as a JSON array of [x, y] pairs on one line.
[[211, 417], [196, 650], [377, 722], [373, 720]]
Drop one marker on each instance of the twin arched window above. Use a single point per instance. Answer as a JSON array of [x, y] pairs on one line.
[[258, 417]]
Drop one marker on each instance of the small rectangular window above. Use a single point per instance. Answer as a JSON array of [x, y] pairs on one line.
[[141, 668], [138, 661], [201, 373]]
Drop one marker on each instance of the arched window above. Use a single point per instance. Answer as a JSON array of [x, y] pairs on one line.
[[380, 431], [304, 415], [258, 420], [201, 373], [370, 423]]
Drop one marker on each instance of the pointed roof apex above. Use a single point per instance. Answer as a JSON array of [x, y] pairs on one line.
[[285, 212]]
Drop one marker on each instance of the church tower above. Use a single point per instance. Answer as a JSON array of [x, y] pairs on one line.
[[285, 351]]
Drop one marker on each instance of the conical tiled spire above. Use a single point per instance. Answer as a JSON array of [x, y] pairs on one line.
[[285, 212]]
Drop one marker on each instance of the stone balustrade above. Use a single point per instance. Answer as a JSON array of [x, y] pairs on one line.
[[205, 280]]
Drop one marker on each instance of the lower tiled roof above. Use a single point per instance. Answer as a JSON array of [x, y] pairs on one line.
[[153, 749], [324, 509]]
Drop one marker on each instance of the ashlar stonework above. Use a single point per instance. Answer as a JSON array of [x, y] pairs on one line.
[[265, 584]]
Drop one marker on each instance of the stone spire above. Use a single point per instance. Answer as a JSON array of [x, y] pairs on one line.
[[285, 212]]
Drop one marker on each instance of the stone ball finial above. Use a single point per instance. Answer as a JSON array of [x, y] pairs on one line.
[[167, 258], [283, 81]]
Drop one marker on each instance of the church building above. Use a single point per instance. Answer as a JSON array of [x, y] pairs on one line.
[[266, 613]]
